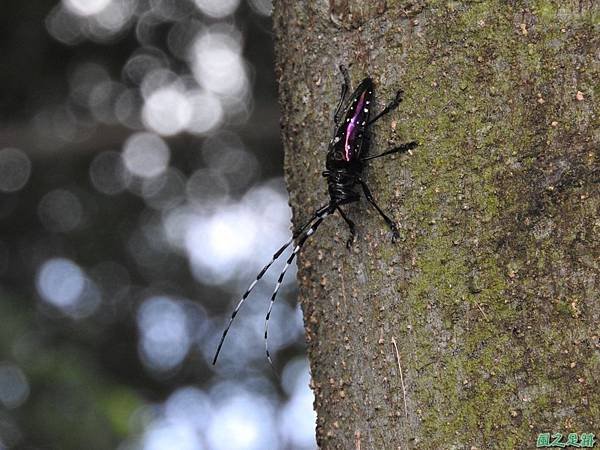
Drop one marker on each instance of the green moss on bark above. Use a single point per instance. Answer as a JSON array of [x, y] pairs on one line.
[[491, 294]]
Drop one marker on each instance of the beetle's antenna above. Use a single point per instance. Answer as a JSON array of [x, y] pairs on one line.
[[306, 235], [318, 215]]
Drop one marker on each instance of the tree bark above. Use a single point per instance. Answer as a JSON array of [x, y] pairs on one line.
[[479, 329]]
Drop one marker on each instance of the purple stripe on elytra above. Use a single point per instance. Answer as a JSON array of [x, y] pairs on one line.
[[351, 128]]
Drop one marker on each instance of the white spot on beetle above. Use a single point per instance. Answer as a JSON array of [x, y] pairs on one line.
[[337, 139], [368, 102], [363, 123], [366, 110]]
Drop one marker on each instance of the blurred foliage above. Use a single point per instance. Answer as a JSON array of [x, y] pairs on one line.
[[79, 376]]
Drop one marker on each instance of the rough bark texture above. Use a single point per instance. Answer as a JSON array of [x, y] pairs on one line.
[[492, 293]]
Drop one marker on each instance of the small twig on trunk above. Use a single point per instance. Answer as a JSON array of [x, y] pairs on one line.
[[401, 377], [357, 440]]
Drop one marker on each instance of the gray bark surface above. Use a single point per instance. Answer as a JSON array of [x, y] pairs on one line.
[[480, 328]]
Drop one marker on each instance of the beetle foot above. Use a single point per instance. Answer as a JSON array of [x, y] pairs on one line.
[[350, 241], [398, 98], [395, 235]]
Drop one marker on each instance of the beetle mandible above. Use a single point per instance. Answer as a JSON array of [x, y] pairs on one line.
[[346, 154]]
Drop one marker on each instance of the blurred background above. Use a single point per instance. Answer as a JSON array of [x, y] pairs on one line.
[[140, 194]]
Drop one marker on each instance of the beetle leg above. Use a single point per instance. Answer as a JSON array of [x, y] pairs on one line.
[[345, 88], [390, 107], [371, 200], [351, 226], [400, 149]]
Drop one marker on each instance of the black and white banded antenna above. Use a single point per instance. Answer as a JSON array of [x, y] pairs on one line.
[[303, 234], [289, 261]]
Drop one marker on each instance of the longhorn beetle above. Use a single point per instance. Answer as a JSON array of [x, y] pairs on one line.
[[346, 155]]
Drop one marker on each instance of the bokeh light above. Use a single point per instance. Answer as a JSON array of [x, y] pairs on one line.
[[207, 111], [217, 8], [165, 191], [86, 7], [146, 155], [15, 169], [226, 154], [64, 26], [233, 428], [116, 15], [217, 63], [263, 7], [141, 199], [207, 189], [298, 418], [144, 61], [83, 79], [163, 327], [102, 100], [60, 282], [14, 388], [60, 210], [216, 244], [64, 285], [220, 243], [191, 406], [163, 435], [167, 110], [73, 21], [108, 174]]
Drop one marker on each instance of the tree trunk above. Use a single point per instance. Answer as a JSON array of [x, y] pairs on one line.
[[479, 328]]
